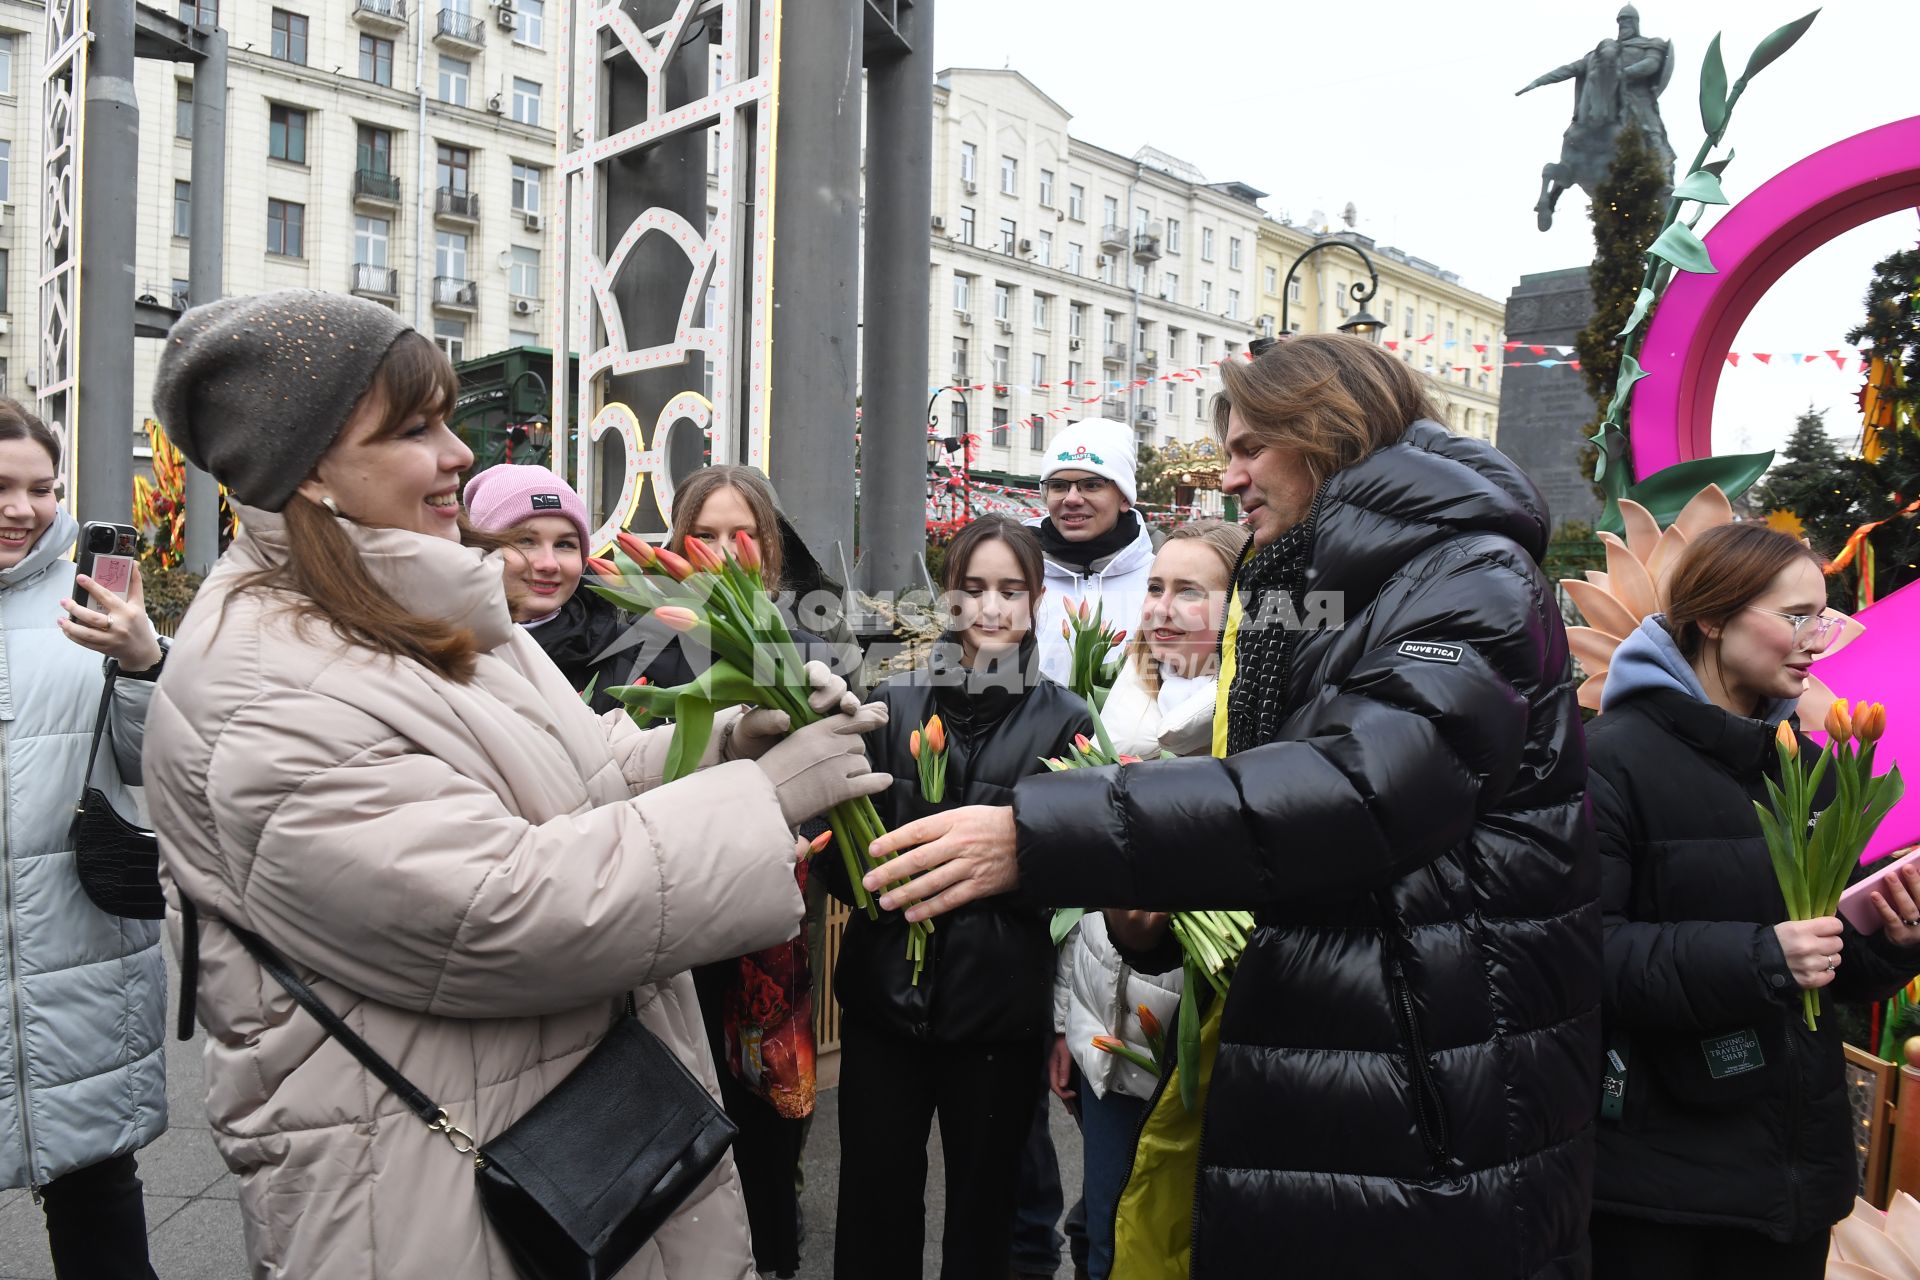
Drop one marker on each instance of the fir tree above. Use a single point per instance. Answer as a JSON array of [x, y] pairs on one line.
[[1626, 214], [1814, 483], [1886, 485]]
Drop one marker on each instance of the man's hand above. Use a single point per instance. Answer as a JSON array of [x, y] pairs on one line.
[[956, 857]]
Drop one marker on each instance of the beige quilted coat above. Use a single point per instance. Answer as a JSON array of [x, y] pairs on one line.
[[471, 875]]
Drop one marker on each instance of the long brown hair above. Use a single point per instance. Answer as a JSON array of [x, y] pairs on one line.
[[17, 422], [1229, 542], [1332, 398], [323, 571], [1020, 540], [1721, 572], [690, 499]]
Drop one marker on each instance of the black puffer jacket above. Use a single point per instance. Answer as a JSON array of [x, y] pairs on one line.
[[1734, 1114], [989, 972], [577, 637], [1410, 1049]]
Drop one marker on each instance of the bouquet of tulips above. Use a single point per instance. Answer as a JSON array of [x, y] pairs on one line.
[[928, 746], [721, 602], [1154, 1059], [1814, 857], [1095, 646]]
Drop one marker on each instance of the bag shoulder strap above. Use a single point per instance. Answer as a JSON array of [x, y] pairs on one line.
[[417, 1102], [100, 722]]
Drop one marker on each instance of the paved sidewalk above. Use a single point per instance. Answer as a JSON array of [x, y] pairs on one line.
[[193, 1216]]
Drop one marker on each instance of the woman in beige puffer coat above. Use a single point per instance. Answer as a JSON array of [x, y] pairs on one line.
[[464, 862]]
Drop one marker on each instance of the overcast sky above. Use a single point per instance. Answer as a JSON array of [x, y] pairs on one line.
[[1406, 108]]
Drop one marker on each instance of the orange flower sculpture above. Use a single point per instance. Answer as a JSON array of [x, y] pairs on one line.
[[1615, 602]]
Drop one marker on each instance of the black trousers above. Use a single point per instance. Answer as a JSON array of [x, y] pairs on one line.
[[984, 1097], [1635, 1249], [97, 1223]]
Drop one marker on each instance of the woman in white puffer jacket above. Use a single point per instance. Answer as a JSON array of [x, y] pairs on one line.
[[1163, 700]]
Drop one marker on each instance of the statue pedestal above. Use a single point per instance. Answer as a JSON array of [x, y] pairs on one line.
[[1543, 412]]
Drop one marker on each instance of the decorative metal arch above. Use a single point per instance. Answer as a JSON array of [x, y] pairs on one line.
[[63, 79]]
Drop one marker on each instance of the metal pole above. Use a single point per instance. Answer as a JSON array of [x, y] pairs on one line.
[[816, 270], [205, 258], [107, 288], [1132, 370], [899, 210], [1362, 294]]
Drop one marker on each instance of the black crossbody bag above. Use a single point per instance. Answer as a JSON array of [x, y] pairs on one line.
[[118, 863], [579, 1183]]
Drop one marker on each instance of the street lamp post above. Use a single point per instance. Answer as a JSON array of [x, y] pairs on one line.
[[938, 444], [532, 428], [1362, 324]]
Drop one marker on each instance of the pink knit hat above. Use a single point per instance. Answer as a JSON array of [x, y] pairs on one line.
[[501, 497]]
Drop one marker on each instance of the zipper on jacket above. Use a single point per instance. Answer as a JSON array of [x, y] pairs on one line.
[[1430, 1114], [22, 1094]]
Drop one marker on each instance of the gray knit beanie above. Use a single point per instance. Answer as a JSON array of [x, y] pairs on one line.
[[255, 389]]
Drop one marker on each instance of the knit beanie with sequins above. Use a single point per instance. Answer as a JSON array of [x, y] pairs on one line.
[[255, 389]]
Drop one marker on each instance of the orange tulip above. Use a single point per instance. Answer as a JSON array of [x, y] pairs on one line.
[[1787, 742], [936, 735], [1119, 636], [1870, 724], [1839, 723], [1086, 614], [1126, 759], [676, 568], [746, 551], [819, 842], [1080, 741], [1107, 1044], [639, 550], [701, 556], [1066, 630], [913, 744], [676, 617], [604, 568], [1149, 1023]]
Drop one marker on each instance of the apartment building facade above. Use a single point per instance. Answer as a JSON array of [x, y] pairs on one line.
[[397, 149]]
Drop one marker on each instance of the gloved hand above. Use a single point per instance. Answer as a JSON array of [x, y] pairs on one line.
[[756, 731], [825, 764]]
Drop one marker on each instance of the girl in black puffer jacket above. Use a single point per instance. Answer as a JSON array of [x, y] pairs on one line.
[[1726, 1143], [969, 1042]]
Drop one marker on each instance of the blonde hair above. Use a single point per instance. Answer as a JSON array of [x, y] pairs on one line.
[[1229, 542], [690, 499]]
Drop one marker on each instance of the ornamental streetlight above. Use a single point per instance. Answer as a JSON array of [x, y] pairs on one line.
[[1362, 324], [938, 446], [530, 428]]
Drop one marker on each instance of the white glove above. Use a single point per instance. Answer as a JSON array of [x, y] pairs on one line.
[[754, 733], [825, 764]]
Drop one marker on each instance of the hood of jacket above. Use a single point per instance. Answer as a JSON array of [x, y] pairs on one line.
[[54, 542], [1650, 660], [1132, 558]]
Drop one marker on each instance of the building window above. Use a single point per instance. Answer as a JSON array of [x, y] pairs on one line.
[[376, 60], [1043, 253], [1202, 348], [1206, 244], [1107, 270], [1233, 253], [183, 108], [286, 228], [287, 134], [1110, 327], [1173, 235], [1142, 219], [969, 162], [1137, 278], [453, 168], [1271, 280], [1387, 311], [1009, 176], [1430, 325], [1340, 297], [370, 239], [1075, 258], [526, 188], [6, 169], [962, 292], [531, 29], [1233, 304], [526, 101], [1077, 202], [454, 75], [289, 37], [1199, 402], [183, 209], [1293, 290], [1407, 328], [1002, 365], [1170, 286], [450, 255], [451, 337], [1173, 398], [959, 371], [1009, 235], [1046, 188], [1002, 304], [957, 415], [966, 225], [1039, 369], [8, 46], [1449, 331], [1037, 434], [1042, 316], [1074, 371], [1206, 295], [1077, 321], [523, 273], [1173, 344], [1002, 432], [205, 13], [374, 149], [5, 278], [1110, 211]]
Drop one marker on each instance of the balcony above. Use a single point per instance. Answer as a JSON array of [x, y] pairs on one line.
[[375, 282], [1146, 246], [1115, 353], [455, 294], [1115, 237], [381, 15], [1147, 362], [461, 30], [456, 202], [1114, 408], [1146, 416], [375, 186]]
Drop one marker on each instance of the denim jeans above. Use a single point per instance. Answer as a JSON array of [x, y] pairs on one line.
[[1039, 1199], [1108, 1127]]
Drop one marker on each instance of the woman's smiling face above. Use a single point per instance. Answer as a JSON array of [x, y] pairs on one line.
[[27, 502]]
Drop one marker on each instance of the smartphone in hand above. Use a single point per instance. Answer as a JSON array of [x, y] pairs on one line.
[[107, 555]]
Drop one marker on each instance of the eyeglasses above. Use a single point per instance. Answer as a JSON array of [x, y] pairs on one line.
[[1823, 624], [1090, 486]]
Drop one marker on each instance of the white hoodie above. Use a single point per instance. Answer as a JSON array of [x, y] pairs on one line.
[[1119, 586]]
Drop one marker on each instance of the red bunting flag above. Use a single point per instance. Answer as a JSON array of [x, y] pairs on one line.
[[1539, 351], [1733, 358], [1764, 357], [1481, 347], [1391, 346], [1510, 346], [1839, 361], [1428, 338]]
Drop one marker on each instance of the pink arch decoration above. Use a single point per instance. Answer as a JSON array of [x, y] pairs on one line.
[[1753, 244]]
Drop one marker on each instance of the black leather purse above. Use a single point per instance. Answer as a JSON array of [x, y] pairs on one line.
[[579, 1183], [118, 863]]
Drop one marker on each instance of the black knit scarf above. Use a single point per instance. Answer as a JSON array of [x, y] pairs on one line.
[[1081, 556], [1258, 698]]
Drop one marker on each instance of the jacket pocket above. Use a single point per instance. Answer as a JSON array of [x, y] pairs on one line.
[[1721, 1070], [1429, 1109]]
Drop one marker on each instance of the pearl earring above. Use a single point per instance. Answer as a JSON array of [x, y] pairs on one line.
[[332, 506]]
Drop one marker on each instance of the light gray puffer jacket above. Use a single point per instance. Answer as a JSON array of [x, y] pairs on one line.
[[85, 994]]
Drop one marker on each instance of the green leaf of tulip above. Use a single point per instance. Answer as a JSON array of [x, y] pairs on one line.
[[1776, 43], [1682, 248], [1641, 305], [1713, 90], [1064, 918], [693, 726], [1702, 186]]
